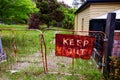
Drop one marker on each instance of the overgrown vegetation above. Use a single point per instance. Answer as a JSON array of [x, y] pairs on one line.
[[88, 69], [28, 43], [25, 40], [115, 68]]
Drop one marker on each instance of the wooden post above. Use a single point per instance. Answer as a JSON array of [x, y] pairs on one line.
[[110, 27]]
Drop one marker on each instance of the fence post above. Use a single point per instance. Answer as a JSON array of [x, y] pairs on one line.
[[110, 27]]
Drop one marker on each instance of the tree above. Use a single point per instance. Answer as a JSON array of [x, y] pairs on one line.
[[16, 9], [58, 15], [49, 11], [64, 5], [34, 21], [68, 21]]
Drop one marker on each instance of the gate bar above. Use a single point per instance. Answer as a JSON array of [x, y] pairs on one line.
[[44, 58], [45, 53]]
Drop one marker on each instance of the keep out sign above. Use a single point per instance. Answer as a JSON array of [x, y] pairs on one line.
[[74, 46]]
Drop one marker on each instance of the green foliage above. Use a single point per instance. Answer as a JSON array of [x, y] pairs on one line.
[[115, 68], [13, 9], [49, 11], [69, 18], [68, 21], [58, 15], [43, 6]]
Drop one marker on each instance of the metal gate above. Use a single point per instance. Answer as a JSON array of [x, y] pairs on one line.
[[18, 45], [23, 49], [69, 66]]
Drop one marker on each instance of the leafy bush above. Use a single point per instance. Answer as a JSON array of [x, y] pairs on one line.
[[115, 68]]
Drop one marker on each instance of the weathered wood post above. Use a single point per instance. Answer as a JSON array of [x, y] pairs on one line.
[[110, 27]]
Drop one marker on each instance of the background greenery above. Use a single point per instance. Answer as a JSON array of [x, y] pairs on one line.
[[36, 13]]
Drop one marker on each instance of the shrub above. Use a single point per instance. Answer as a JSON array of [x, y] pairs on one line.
[[115, 68]]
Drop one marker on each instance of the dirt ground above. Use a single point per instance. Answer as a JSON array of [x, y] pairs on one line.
[[54, 63]]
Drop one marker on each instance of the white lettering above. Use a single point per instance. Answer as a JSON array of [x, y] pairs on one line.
[[85, 42], [71, 42], [79, 42], [65, 41]]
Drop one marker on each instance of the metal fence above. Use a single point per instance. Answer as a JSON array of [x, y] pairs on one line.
[[65, 65], [33, 49], [23, 49]]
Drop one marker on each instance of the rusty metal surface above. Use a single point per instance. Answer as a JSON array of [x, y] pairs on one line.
[[74, 46]]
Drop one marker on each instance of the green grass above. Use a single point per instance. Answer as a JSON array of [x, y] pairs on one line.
[[88, 69], [28, 43], [49, 37], [14, 26], [28, 76]]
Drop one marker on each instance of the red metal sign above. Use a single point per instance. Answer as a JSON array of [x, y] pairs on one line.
[[74, 46]]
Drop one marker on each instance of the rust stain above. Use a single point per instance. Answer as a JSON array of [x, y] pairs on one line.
[[74, 46]]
